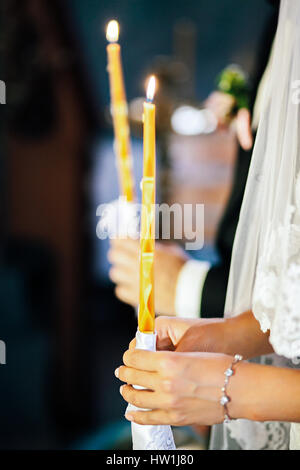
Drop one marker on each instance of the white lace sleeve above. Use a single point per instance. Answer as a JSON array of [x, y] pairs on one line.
[[276, 295]]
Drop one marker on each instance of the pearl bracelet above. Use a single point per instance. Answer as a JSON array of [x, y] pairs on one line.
[[225, 399]]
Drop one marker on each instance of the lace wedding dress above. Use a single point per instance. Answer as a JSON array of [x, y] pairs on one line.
[[265, 267]]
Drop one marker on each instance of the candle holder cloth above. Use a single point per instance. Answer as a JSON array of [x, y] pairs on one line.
[[149, 437], [120, 218]]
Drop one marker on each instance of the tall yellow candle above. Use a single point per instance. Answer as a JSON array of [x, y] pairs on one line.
[[147, 238], [119, 110]]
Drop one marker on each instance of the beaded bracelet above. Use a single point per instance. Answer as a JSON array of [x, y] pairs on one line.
[[225, 399]]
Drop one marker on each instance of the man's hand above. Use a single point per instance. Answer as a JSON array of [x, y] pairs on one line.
[[124, 257], [240, 334], [243, 128], [169, 332], [221, 105], [189, 335]]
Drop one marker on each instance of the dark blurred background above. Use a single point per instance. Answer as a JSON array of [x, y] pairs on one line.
[[65, 332]]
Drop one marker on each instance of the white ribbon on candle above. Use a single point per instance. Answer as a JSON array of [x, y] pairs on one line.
[[120, 219], [148, 437]]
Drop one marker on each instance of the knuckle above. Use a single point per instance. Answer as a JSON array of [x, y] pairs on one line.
[[139, 418], [169, 385], [171, 401], [132, 396], [129, 394], [167, 364], [174, 401], [130, 357], [136, 400], [178, 417]]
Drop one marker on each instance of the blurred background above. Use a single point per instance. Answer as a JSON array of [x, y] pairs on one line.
[[65, 332]]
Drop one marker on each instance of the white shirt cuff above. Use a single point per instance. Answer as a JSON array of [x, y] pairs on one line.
[[189, 288]]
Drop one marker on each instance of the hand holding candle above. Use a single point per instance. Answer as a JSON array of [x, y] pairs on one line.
[[148, 437], [147, 237], [119, 112]]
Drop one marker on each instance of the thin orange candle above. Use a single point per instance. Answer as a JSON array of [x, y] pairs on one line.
[[147, 238], [119, 110]]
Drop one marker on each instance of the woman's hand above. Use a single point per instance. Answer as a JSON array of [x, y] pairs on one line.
[[185, 389], [182, 388]]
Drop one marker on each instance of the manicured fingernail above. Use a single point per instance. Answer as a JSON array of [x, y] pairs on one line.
[[121, 389], [117, 372], [128, 417]]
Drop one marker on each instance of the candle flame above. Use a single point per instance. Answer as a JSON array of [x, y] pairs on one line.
[[151, 88], [112, 32]]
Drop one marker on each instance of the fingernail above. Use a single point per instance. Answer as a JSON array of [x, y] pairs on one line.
[[117, 372], [121, 389], [128, 417]]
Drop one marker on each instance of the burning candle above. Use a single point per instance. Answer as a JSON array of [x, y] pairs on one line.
[[147, 237], [119, 111]]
